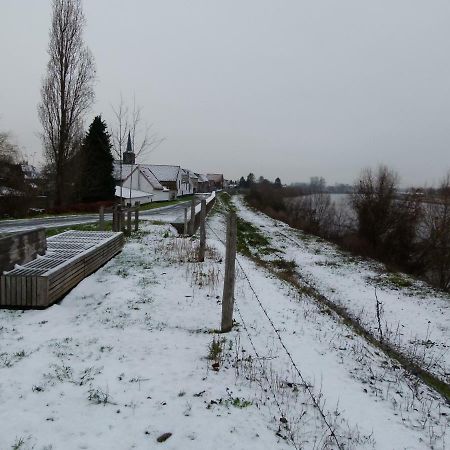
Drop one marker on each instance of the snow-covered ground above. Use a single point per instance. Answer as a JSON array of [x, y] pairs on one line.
[[123, 359], [414, 317]]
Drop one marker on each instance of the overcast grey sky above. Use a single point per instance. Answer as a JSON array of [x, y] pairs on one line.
[[286, 88]]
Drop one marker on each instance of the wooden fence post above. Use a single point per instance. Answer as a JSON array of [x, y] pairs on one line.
[[192, 222], [228, 286], [129, 221], [119, 218], [114, 218], [185, 222], [202, 247], [101, 219], [136, 215]]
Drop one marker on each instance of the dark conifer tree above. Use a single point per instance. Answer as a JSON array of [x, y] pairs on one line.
[[97, 181]]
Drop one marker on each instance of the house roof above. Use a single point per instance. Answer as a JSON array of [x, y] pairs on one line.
[[126, 170], [164, 172], [151, 178], [216, 177], [191, 174], [202, 178]]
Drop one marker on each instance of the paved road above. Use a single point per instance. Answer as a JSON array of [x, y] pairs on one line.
[[165, 214]]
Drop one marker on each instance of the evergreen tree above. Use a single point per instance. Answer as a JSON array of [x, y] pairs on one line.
[[277, 182], [250, 179], [242, 183], [97, 181]]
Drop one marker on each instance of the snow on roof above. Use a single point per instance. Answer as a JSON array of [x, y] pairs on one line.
[[164, 172], [126, 170], [134, 193], [191, 174], [150, 177], [202, 178]]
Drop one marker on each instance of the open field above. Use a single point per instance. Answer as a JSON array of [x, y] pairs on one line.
[[133, 353]]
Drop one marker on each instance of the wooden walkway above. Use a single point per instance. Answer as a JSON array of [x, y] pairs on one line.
[[70, 257]]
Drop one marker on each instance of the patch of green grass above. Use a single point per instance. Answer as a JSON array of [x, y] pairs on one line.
[[399, 280], [250, 239], [222, 204], [216, 348], [282, 264], [238, 402]]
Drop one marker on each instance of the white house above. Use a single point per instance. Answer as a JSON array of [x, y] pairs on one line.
[[139, 180], [170, 177], [190, 180]]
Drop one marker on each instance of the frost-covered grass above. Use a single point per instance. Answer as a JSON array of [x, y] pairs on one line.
[[414, 318], [132, 355]]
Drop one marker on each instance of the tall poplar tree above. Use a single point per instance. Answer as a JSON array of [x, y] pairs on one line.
[[66, 92]]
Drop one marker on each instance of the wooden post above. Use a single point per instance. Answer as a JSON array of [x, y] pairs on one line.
[[101, 220], [192, 222], [119, 217], [114, 218], [136, 216], [202, 247], [129, 221], [228, 286], [185, 231]]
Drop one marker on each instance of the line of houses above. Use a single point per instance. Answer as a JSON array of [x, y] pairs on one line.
[[159, 182]]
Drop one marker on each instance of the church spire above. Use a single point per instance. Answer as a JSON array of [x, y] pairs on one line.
[[129, 147], [129, 156]]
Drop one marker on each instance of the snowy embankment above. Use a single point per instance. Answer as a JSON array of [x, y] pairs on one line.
[[414, 318], [131, 353]]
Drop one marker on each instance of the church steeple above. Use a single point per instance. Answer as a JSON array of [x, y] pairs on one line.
[[128, 156]]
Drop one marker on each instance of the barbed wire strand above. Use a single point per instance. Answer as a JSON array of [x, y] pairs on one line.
[[307, 388], [263, 371]]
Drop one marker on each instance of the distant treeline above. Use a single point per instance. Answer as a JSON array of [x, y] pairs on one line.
[[407, 232]]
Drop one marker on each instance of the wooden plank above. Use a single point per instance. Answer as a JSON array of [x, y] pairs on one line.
[[2, 290], [14, 291], [24, 291], [64, 279], [62, 289], [33, 291], [42, 292], [8, 291]]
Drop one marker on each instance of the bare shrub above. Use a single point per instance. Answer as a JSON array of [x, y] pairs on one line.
[[435, 233], [387, 222], [314, 213], [373, 202]]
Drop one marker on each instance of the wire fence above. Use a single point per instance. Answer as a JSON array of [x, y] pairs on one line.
[[288, 353]]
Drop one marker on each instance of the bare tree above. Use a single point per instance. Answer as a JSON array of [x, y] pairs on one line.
[[143, 139], [314, 212], [119, 135], [373, 201], [436, 236], [67, 90], [9, 152]]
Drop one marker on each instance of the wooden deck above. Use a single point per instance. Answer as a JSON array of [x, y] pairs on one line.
[[70, 257]]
